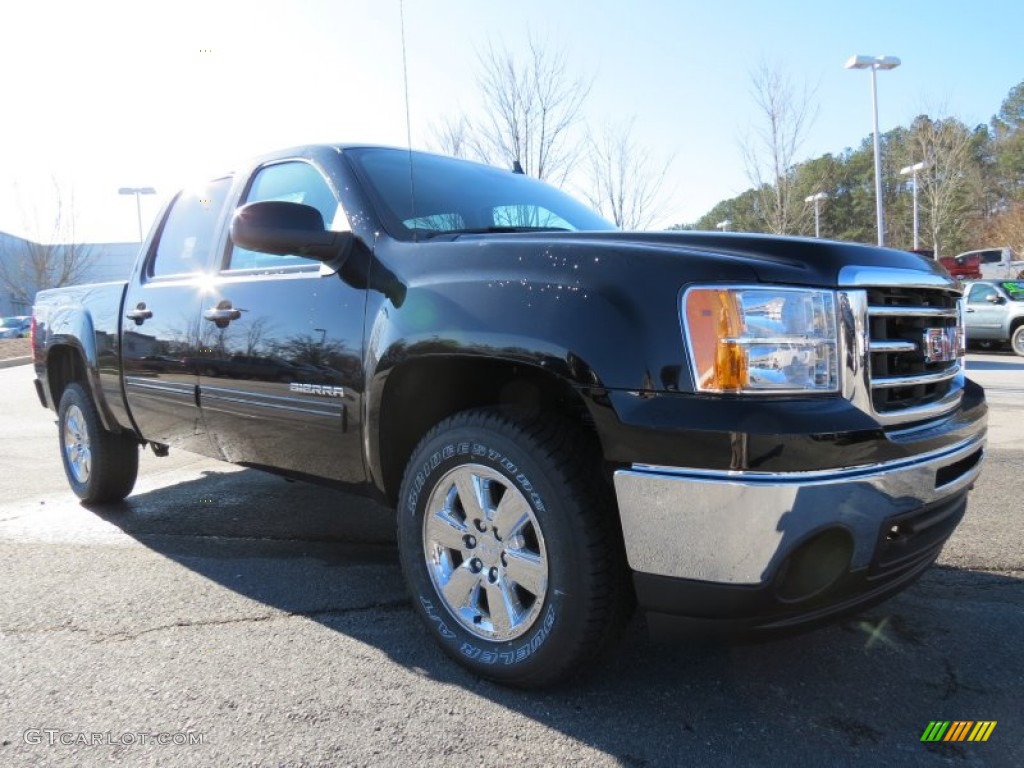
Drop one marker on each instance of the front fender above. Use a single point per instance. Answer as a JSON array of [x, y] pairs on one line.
[[592, 337]]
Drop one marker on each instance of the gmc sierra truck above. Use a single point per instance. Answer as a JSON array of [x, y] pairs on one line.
[[745, 435]]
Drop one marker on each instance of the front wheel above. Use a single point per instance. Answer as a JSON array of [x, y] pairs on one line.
[[100, 466], [1017, 340], [510, 548]]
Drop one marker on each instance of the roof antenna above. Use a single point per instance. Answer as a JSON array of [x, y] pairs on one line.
[[408, 122], [517, 167]]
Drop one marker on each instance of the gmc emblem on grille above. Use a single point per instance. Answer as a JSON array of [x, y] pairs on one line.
[[943, 344]]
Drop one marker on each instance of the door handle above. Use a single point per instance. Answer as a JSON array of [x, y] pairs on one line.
[[222, 314], [140, 314]]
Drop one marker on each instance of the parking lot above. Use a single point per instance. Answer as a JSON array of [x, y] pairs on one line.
[[226, 617]]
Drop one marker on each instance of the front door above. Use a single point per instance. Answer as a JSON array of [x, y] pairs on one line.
[[280, 364], [983, 318]]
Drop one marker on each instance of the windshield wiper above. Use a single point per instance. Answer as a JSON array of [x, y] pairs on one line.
[[487, 230]]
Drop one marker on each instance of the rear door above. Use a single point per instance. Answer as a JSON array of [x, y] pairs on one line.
[[280, 367], [161, 323]]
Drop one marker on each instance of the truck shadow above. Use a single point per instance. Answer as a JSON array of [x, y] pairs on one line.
[[1014, 364], [872, 683], [995, 359]]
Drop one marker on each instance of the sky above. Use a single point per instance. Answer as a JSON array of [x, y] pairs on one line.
[[105, 94]]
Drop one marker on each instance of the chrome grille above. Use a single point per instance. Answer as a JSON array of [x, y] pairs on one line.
[[900, 321], [886, 313]]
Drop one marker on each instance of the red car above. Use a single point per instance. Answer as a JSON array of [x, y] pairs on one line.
[[966, 266]]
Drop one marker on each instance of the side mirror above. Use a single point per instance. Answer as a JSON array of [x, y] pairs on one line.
[[287, 229], [994, 299]]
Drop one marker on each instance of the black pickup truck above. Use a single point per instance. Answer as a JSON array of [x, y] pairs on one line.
[[743, 434]]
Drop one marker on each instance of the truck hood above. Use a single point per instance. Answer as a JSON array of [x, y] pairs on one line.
[[771, 259]]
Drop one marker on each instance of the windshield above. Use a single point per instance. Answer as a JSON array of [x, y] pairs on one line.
[[460, 196], [1014, 289]]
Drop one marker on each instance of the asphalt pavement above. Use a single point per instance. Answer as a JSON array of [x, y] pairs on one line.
[[225, 617]]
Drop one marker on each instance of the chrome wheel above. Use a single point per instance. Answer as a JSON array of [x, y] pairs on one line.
[[485, 552], [1017, 341], [76, 444]]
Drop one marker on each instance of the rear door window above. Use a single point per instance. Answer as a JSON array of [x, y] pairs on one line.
[[187, 236]]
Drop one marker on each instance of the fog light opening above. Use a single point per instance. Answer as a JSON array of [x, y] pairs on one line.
[[814, 566]]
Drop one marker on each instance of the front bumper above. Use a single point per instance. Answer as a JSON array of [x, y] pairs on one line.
[[752, 550]]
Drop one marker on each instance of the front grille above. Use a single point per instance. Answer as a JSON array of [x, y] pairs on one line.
[[902, 376]]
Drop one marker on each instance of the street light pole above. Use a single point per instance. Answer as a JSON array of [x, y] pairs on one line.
[[913, 169], [874, 63], [137, 191], [816, 199]]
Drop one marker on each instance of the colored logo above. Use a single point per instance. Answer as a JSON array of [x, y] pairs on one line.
[[958, 730], [943, 344]]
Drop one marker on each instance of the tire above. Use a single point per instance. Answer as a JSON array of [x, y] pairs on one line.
[[558, 583], [101, 466], [1017, 340]]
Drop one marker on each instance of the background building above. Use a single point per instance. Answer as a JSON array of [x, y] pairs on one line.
[[27, 266]]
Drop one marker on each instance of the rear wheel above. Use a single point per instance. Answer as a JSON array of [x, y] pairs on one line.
[[100, 466], [510, 548]]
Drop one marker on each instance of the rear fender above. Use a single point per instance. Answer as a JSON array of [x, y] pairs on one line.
[[69, 330]]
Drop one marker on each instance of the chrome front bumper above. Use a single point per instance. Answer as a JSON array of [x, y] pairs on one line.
[[738, 527]]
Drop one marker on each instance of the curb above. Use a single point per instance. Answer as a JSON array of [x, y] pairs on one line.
[[12, 361]]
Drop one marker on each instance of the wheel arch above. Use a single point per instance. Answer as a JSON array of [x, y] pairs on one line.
[[419, 393], [66, 364]]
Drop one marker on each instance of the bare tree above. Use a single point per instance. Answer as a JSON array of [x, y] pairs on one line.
[[1007, 228], [53, 260], [453, 136], [255, 333], [945, 183], [624, 181], [786, 112], [530, 109]]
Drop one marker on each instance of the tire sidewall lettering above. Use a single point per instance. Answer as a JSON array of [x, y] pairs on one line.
[[515, 654], [450, 451], [433, 614], [466, 646]]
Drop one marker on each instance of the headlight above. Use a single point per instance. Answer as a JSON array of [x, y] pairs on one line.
[[762, 340]]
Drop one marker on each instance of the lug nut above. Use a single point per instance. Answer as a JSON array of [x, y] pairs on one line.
[[475, 565], [470, 541], [492, 575], [480, 525]]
